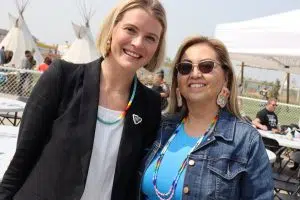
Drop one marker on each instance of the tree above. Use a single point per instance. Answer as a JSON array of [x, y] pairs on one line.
[[275, 89]]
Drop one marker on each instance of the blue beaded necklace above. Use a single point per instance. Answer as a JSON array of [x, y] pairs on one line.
[[170, 193]]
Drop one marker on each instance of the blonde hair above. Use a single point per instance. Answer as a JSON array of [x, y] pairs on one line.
[[222, 57], [154, 7]]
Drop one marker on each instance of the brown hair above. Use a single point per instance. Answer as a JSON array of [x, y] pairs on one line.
[[154, 7], [222, 57], [8, 56], [48, 60]]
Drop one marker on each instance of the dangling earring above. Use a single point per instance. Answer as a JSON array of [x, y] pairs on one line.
[[223, 97], [179, 98], [108, 43]]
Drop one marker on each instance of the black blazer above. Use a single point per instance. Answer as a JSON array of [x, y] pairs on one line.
[[57, 132]]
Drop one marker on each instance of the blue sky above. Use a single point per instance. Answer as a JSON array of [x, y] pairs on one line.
[[50, 21]]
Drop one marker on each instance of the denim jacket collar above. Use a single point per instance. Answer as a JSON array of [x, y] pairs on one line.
[[224, 127]]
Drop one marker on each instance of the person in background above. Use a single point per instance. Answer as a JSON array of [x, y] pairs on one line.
[[8, 56], [27, 63], [266, 119], [160, 86], [2, 56], [85, 128], [149, 81], [44, 66], [205, 151]]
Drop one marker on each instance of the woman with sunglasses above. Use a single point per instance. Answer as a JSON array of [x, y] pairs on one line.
[[204, 151], [85, 127]]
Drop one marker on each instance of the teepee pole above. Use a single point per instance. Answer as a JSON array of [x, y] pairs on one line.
[[86, 13], [21, 6]]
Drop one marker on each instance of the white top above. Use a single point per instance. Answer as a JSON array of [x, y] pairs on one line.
[[281, 139], [11, 105], [104, 156], [8, 141]]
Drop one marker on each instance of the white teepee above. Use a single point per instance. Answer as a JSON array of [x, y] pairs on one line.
[[83, 49], [19, 38]]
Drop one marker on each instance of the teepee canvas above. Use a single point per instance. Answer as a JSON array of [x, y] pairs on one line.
[[19, 39], [83, 49]]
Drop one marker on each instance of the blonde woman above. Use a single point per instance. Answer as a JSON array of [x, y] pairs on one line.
[[204, 151], [85, 126]]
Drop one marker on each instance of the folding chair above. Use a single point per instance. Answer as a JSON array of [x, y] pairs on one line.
[[274, 146], [290, 185], [294, 196]]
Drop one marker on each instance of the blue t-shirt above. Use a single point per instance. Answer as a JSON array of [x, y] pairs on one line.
[[170, 164]]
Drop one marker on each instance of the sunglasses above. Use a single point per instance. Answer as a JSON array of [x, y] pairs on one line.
[[205, 66], [274, 105]]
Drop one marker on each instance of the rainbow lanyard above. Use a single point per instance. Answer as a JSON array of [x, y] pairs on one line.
[[123, 114], [170, 193]]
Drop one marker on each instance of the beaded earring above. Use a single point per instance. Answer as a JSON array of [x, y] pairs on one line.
[[223, 97], [179, 98]]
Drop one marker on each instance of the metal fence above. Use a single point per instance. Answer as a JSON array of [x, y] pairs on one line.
[[17, 82], [287, 113]]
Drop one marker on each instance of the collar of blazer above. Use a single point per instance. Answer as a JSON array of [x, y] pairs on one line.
[[88, 115]]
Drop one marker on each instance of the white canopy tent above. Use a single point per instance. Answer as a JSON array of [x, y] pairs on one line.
[[19, 39], [271, 42], [83, 49]]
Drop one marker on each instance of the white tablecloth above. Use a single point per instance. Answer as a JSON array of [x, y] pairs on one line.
[[271, 155], [11, 105], [281, 139], [8, 141]]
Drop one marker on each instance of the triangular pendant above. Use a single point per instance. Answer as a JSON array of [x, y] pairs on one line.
[[136, 119]]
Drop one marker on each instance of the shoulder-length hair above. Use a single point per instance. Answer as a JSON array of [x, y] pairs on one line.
[[222, 57]]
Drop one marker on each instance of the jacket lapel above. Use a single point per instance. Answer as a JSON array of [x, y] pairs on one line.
[[131, 133], [88, 113], [88, 116]]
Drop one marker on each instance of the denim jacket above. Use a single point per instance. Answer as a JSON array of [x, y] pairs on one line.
[[231, 164]]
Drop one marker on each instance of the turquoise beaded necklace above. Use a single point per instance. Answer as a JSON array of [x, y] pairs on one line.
[[123, 114], [170, 193]]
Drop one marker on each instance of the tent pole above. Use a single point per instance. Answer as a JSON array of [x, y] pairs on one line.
[[242, 73], [288, 88]]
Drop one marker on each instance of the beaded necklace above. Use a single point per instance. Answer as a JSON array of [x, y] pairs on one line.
[[123, 114], [170, 193]]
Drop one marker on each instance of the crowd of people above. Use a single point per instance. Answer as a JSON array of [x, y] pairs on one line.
[[28, 62], [94, 131]]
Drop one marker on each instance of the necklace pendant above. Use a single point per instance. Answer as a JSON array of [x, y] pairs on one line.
[[136, 119]]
